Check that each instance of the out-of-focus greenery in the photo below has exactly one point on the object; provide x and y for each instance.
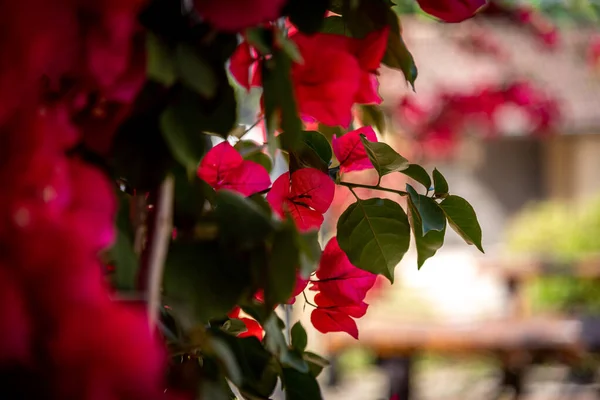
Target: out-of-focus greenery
(562, 232)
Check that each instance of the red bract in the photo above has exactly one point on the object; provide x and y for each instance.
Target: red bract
(224, 168)
(350, 151)
(336, 73)
(339, 280)
(236, 15)
(330, 317)
(451, 10)
(253, 328)
(243, 66)
(306, 196)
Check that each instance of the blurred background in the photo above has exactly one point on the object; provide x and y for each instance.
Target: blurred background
(507, 107)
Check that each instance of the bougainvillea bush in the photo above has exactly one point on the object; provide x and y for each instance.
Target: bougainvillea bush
(140, 262)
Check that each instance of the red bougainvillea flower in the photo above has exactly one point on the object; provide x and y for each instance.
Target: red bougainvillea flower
(350, 151)
(224, 168)
(236, 15)
(339, 280)
(336, 73)
(451, 10)
(244, 66)
(307, 195)
(253, 328)
(329, 316)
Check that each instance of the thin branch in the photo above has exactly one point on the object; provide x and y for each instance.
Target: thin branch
(373, 187)
(157, 245)
(138, 202)
(308, 302)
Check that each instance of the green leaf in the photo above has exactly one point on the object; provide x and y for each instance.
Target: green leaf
(375, 235)
(121, 253)
(159, 64)
(313, 152)
(373, 115)
(300, 386)
(463, 219)
(203, 280)
(319, 143)
(383, 157)
(276, 344)
(307, 16)
(143, 166)
(316, 363)
(429, 213)
(330, 131)
(191, 193)
(261, 159)
(334, 25)
(397, 54)
(428, 244)
(186, 142)
(126, 263)
(419, 174)
(283, 261)
(440, 184)
(241, 221)
(299, 337)
(222, 351)
(195, 71)
(234, 326)
(257, 366)
(310, 252)
(280, 106)
(261, 39)
(374, 15)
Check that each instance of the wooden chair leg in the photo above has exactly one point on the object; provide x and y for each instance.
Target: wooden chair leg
(333, 377)
(399, 376)
(512, 378)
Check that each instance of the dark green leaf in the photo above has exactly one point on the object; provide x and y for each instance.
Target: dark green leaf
(299, 337)
(334, 25)
(159, 64)
(261, 39)
(141, 155)
(440, 184)
(374, 15)
(282, 265)
(429, 213)
(397, 54)
(330, 131)
(310, 252)
(373, 115)
(187, 143)
(227, 359)
(428, 244)
(195, 71)
(126, 263)
(280, 106)
(300, 386)
(191, 193)
(234, 326)
(375, 235)
(241, 221)
(261, 159)
(462, 218)
(258, 370)
(276, 344)
(316, 363)
(419, 174)
(307, 16)
(319, 144)
(313, 152)
(383, 157)
(203, 280)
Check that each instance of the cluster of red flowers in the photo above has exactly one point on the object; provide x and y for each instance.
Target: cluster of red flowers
(306, 194)
(439, 126)
(62, 64)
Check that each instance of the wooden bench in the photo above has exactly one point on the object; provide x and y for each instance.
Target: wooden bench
(517, 341)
